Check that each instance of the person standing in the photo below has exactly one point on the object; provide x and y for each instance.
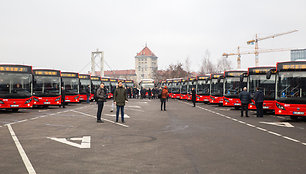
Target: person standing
(193, 96)
(149, 93)
(259, 99)
(120, 98)
(63, 97)
(163, 99)
(101, 98)
(87, 93)
(245, 99)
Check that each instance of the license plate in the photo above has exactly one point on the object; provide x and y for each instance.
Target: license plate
(67, 100)
(206, 100)
(14, 106)
(81, 99)
(265, 107)
(220, 101)
(46, 103)
(298, 113)
(237, 104)
(177, 96)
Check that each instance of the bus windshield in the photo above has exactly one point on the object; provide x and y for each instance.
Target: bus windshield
(266, 85)
(184, 88)
(176, 88)
(203, 87)
(216, 88)
(71, 86)
(147, 85)
(291, 86)
(84, 83)
(45, 86)
(95, 86)
(191, 85)
(129, 85)
(232, 86)
(15, 85)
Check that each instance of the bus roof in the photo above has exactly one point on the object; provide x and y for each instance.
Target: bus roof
(234, 73)
(260, 70)
(46, 72)
(70, 74)
(15, 68)
(291, 66)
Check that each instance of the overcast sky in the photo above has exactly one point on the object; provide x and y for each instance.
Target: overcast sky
(61, 34)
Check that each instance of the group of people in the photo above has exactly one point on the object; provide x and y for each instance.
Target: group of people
(246, 99)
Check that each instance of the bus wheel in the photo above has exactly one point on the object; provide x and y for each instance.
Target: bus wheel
(15, 109)
(294, 117)
(237, 107)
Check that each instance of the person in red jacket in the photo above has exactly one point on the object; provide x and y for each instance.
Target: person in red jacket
(163, 99)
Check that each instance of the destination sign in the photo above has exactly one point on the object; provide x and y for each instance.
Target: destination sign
(129, 81)
(216, 76)
(46, 73)
(14, 68)
(191, 79)
(148, 81)
(261, 70)
(106, 80)
(95, 78)
(69, 75)
(84, 76)
(299, 66)
(202, 77)
(112, 80)
(234, 74)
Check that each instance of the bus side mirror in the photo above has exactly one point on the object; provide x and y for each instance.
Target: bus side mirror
(268, 75)
(241, 77)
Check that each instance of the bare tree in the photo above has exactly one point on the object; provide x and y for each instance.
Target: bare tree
(223, 64)
(207, 66)
(187, 66)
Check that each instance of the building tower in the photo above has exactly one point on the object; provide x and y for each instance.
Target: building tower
(145, 64)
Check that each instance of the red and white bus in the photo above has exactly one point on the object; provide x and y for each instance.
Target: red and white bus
(16, 87)
(95, 84)
(183, 90)
(232, 86)
(192, 83)
(47, 87)
(85, 84)
(203, 88)
(113, 84)
(257, 78)
(290, 89)
(216, 89)
(147, 84)
(71, 84)
(175, 90)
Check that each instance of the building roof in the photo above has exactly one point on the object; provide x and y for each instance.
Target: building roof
(146, 52)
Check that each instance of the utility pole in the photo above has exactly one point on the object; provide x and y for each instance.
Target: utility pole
(94, 55)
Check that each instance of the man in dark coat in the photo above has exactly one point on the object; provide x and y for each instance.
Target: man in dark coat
(87, 93)
(194, 96)
(149, 93)
(101, 98)
(120, 98)
(259, 99)
(63, 97)
(245, 99)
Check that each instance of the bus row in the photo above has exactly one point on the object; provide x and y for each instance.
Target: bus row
(24, 87)
(284, 87)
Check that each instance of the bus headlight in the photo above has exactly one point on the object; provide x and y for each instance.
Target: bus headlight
(58, 99)
(28, 101)
(1, 102)
(280, 106)
(35, 99)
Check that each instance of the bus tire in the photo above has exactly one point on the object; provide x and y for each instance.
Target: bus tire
(15, 109)
(294, 117)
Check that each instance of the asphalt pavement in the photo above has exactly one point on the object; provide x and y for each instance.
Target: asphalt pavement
(206, 139)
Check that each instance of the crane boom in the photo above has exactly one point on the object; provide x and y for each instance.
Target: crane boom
(271, 36)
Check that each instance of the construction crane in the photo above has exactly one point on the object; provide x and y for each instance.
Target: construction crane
(255, 41)
(252, 52)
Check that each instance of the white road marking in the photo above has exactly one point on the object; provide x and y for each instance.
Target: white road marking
(22, 153)
(281, 124)
(250, 125)
(102, 118)
(85, 144)
(114, 115)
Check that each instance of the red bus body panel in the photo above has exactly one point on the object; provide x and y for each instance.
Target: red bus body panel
(231, 101)
(215, 100)
(267, 105)
(189, 97)
(16, 103)
(72, 98)
(83, 97)
(202, 98)
(183, 96)
(47, 101)
(291, 109)
(177, 96)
